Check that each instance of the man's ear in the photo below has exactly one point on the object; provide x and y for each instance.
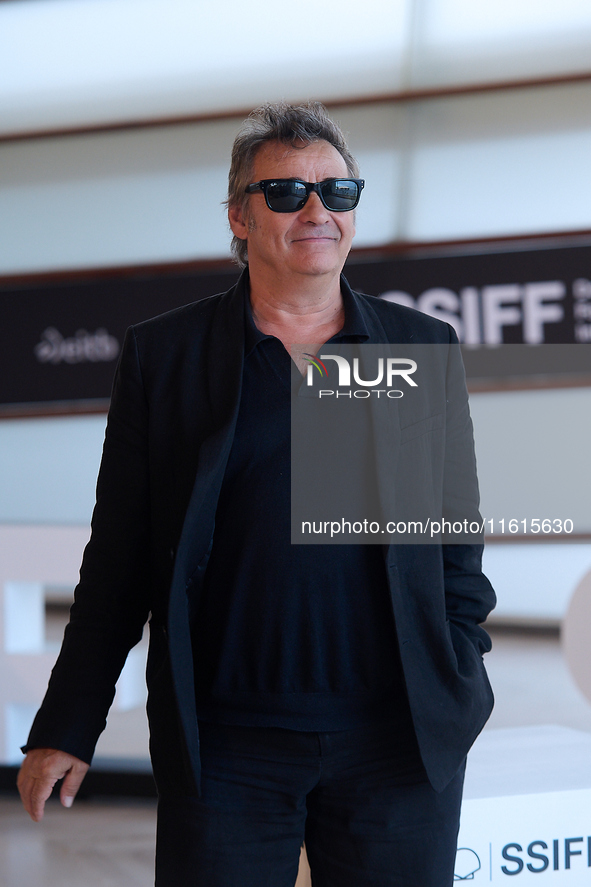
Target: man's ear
(238, 221)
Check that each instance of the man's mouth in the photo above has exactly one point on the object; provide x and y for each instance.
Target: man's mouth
(315, 237)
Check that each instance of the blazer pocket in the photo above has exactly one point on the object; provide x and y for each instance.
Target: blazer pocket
(423, 426)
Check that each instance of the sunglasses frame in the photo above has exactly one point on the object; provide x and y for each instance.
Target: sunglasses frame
(310, 186)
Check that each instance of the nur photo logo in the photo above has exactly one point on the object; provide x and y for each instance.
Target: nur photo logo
(388, 371)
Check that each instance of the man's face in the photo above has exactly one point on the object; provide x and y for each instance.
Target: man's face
(311, 241)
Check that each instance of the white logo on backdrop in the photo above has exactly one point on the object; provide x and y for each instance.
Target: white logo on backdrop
(467, 863)
(480, 315)
(83, 347)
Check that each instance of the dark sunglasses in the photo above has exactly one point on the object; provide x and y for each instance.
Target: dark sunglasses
(290, 195)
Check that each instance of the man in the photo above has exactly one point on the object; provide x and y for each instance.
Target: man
(319, 693)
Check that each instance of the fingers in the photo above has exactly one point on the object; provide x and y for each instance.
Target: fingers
(39, 773)
(72, 782)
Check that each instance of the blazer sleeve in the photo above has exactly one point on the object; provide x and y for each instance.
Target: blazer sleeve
(112, 599)
(469, 596)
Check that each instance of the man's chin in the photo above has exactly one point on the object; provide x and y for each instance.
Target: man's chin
(319, 268)
(319, 258)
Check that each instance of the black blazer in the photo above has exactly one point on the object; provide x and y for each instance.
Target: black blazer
(169, 433)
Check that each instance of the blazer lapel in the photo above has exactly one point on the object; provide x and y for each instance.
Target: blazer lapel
(384, 414)
(225, 355)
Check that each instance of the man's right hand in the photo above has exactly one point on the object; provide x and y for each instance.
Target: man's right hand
(39, 773)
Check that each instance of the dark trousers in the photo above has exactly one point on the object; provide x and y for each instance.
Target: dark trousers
(359, 798)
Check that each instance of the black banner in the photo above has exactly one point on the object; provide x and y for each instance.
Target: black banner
(529, 297)
(60, 340)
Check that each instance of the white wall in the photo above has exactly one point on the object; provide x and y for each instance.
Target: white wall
(532, 449)
(457, 41)
(73, 62)
(156, 195)
(114, 198)
(48, 469)
(78, 62)
(501, 163)
(493, 165)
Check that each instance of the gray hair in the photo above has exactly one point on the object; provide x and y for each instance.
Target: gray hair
(278, 122)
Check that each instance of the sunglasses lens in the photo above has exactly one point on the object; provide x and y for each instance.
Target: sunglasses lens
(284, 196)
(340, 195)
(290, 195)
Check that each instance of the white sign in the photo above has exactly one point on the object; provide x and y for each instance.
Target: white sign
(542, 839)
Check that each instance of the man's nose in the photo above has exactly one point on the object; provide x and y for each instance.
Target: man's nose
(314, 210)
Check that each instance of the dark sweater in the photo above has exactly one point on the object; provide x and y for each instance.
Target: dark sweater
(297, 636)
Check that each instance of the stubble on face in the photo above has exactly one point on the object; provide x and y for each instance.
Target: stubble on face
(312, 241)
